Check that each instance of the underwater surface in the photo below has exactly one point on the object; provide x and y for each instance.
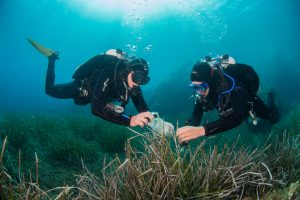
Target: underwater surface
(171, 35)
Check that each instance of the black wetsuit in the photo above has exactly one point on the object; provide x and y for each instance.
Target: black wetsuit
(103, 88)
(233, 109)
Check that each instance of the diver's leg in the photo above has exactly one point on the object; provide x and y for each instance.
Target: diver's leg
(267, 112)
(61, 91)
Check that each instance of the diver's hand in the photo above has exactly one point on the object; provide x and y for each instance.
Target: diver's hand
(141, 119)
(187, 133)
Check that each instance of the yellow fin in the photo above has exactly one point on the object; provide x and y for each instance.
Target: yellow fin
(44, 50)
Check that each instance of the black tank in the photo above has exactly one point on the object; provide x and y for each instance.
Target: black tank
(99, 62)
(245, 74)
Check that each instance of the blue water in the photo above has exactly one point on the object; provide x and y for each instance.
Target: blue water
(261, 33)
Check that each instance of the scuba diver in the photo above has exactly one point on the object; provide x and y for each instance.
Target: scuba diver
(107, 81)
(221, 83)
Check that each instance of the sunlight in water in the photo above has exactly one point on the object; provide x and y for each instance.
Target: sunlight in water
(209, 23)
(136, 11)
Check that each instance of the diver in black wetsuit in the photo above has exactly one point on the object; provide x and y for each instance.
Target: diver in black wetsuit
(107, 81)
(231, 88)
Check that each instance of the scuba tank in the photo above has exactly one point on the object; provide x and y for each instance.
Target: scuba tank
(96, 63)
(226, 66)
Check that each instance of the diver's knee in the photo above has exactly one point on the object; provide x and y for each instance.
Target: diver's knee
(50, 92)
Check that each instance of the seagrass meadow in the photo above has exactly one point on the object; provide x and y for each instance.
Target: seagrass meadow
(76, 157)
(51, 148)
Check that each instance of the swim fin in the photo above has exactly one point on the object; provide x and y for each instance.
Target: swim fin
(43, 50)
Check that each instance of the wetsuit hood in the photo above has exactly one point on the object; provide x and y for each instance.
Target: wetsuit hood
(203, 72)
(140, 69)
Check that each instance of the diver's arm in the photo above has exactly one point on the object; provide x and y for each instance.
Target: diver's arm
(223, 124)
(100, 106)
(234, 119)
(197, 114)
(139, 101)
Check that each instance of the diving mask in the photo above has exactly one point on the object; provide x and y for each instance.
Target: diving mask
(140, 77)
(199, 89)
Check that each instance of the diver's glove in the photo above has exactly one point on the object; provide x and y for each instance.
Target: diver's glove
(160, 126)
